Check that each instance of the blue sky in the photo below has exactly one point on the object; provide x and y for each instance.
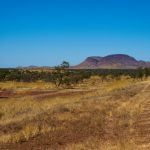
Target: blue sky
(46, 32)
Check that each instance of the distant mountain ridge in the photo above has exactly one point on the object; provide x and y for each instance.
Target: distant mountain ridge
(115, 61)
(34, 67)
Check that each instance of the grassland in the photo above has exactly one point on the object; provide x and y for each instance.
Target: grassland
(92, 115)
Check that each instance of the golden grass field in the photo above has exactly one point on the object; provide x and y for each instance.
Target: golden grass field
(94, 115)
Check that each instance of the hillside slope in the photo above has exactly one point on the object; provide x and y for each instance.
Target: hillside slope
(116, 61)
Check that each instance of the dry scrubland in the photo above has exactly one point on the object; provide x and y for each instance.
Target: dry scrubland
(95, 115)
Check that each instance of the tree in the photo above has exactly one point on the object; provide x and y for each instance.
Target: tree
(65, 65)
(140, 73)
(146, 72)
(59, 74)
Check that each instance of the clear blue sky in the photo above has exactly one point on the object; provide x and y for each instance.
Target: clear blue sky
(46, 32)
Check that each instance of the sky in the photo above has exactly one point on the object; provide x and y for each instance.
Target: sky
(46, 32)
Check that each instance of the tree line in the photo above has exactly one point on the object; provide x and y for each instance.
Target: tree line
(63, 76)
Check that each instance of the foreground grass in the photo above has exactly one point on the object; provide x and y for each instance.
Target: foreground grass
(105, 114)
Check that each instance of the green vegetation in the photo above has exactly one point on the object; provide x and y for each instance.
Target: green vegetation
(63, 76)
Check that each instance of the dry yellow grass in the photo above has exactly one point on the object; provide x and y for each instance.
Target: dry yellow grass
(101, 107)
(95, 144)
(23, 86)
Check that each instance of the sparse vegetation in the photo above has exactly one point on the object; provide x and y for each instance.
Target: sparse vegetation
(95, 109)
(63, 76)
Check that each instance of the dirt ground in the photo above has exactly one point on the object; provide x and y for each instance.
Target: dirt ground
(94, 118)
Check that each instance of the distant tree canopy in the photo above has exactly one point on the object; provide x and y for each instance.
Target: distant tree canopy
(63, 76)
